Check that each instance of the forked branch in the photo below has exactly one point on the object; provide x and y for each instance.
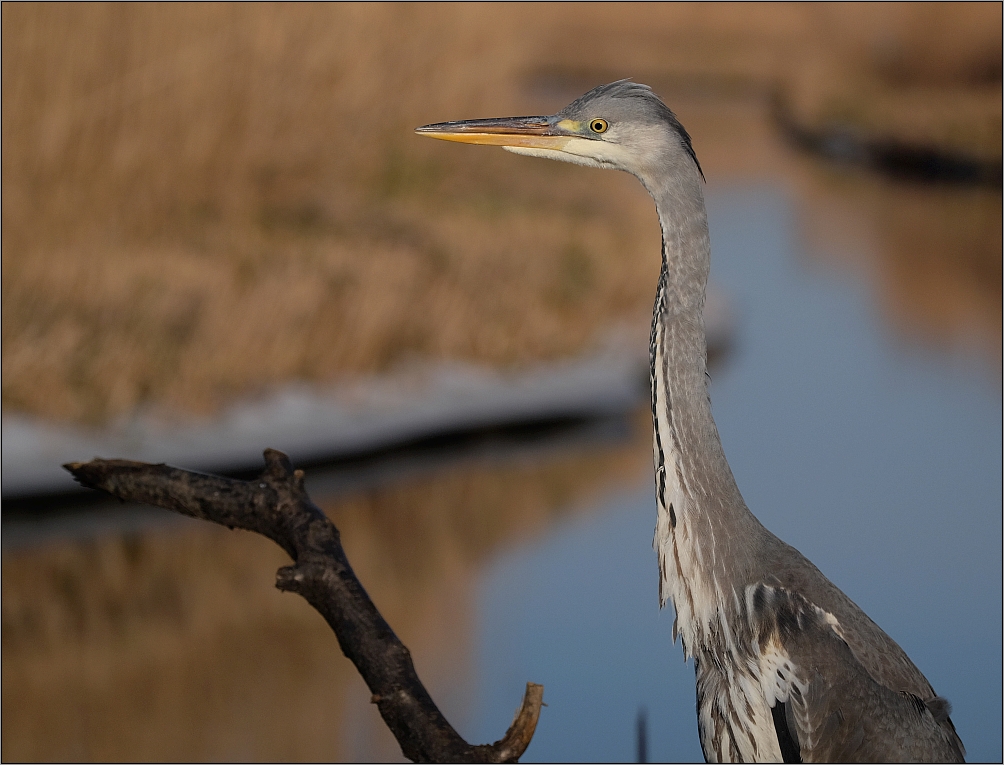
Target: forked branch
(277, 506)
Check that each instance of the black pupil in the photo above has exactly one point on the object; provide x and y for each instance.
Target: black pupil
(597, 126)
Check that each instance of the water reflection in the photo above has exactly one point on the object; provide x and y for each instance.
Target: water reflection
(880, 462)
(930, 254)
(172, 643)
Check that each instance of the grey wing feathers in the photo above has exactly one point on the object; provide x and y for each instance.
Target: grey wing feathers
(840, 713)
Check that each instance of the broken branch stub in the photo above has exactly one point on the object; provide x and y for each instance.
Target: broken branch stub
(277, 506)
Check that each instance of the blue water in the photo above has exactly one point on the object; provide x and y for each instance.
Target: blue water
(881, 462)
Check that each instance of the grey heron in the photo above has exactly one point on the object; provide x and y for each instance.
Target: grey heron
(787, 666)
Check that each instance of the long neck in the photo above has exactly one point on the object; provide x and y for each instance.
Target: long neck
(701, 512)
(679, 349)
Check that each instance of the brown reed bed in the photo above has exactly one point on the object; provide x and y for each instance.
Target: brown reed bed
(202, 201)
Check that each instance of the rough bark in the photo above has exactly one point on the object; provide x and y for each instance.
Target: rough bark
(277, 506)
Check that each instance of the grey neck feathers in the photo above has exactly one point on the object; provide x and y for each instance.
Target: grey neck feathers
(678, 325)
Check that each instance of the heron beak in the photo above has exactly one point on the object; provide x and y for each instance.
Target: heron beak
(523, 132)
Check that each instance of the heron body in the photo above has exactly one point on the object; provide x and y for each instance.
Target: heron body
(788, 668)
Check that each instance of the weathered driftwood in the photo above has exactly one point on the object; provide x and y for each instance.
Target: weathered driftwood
(277, 506)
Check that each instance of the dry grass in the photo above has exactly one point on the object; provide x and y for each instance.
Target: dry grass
(202, 201)
(208, 200)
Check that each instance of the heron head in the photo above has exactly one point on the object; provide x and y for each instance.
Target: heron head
(623, 126)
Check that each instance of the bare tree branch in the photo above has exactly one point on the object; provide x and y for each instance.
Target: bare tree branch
(277, 506)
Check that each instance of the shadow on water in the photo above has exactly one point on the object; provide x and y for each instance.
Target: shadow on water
(896, 159)
(41, 518)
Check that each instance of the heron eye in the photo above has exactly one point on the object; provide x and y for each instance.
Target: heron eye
(598, 126)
